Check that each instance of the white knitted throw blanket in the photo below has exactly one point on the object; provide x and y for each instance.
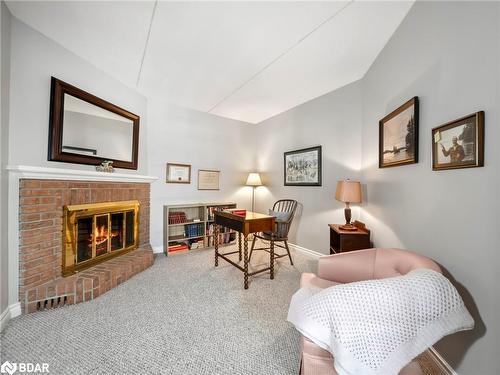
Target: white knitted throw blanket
(376, 327)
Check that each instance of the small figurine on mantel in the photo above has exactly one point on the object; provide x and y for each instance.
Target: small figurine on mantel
(106, 166)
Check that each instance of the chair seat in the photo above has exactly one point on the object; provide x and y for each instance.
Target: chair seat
(283, 212)
(270, 235)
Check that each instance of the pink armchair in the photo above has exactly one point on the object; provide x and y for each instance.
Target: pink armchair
(349, 267)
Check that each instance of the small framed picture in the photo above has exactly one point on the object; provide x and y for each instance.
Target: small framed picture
(208, 180)
(178, 173)
(303, 167)
(398, 136)
(459, 143)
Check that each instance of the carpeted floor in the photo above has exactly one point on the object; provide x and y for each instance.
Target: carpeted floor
(181, 316)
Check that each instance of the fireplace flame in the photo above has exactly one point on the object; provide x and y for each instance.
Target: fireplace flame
(101, 234)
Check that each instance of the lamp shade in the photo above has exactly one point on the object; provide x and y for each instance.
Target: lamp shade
(348, 191)
(254, 179)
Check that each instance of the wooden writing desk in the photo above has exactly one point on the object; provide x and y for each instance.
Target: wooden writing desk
(253, 222)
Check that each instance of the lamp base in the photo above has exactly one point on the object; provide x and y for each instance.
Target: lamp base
(347, 214)
(348, 227)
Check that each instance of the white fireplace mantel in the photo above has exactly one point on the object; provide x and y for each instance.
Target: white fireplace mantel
(45, 173)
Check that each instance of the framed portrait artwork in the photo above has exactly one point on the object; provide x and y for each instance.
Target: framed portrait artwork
(459, 143)
(398, 136)
(178, 173)
(303, 167)
(208, 180)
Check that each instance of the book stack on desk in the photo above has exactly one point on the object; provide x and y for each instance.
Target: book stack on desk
(237, 211)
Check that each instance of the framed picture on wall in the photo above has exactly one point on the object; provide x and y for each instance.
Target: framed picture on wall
(178, 173)
(398, 136)
(459, 143)
(208, 180)
(303, 167)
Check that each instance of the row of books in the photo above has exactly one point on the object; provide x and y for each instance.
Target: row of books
(196, 244)
(193, 230)
(223, 239)
(177, 217)
(210, 229)
(211, 210)
(174, 247)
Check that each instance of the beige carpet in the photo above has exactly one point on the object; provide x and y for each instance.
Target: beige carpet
(181, 316)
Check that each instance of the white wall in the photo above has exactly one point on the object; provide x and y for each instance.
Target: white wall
(332, 121)
(205, 141)
(4, 133)
(447, 54)
(35, 58)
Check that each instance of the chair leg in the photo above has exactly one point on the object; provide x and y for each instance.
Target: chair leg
(251, 249)
(288, 251)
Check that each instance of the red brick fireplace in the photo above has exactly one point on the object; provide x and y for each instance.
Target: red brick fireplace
(42, 243)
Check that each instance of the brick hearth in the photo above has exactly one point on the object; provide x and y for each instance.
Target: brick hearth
(41, 205)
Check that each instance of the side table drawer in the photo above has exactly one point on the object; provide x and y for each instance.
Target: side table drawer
(354, 242)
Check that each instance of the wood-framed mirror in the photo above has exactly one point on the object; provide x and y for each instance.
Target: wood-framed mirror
(85, 129)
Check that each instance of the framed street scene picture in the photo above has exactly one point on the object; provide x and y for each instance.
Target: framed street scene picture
(303, 167)
(459, 143)
(398, 136)
(178, 173)
(208, 180)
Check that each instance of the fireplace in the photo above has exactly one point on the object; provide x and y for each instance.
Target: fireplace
(97, 232)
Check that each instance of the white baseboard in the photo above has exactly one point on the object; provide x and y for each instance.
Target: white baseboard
(4, 318)
(306, 250)
(15, 309)
(157, 249)
(10, 312)
(441, 363)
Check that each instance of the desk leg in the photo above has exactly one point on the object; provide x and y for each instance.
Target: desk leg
(239, 246)
(271, 260)
(245, 262)
(216, 244)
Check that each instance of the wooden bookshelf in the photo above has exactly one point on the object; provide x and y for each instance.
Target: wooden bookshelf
(187, 224)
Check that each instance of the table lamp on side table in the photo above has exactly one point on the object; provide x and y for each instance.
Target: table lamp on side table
(253, 180)
(348, 192)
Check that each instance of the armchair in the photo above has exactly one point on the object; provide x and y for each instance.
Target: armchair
(354, 266)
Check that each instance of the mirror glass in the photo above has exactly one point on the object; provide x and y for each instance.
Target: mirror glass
(93, 131)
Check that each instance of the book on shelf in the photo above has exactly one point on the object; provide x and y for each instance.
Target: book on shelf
(177, 246)
(193, 230)
(224, 238)
(212, 209)
(210, 229)
(177, 217)
(196, 244)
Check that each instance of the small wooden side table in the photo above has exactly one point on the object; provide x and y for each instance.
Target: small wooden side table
(344, 240)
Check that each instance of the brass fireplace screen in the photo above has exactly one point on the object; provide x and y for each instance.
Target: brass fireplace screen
(97, 232)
